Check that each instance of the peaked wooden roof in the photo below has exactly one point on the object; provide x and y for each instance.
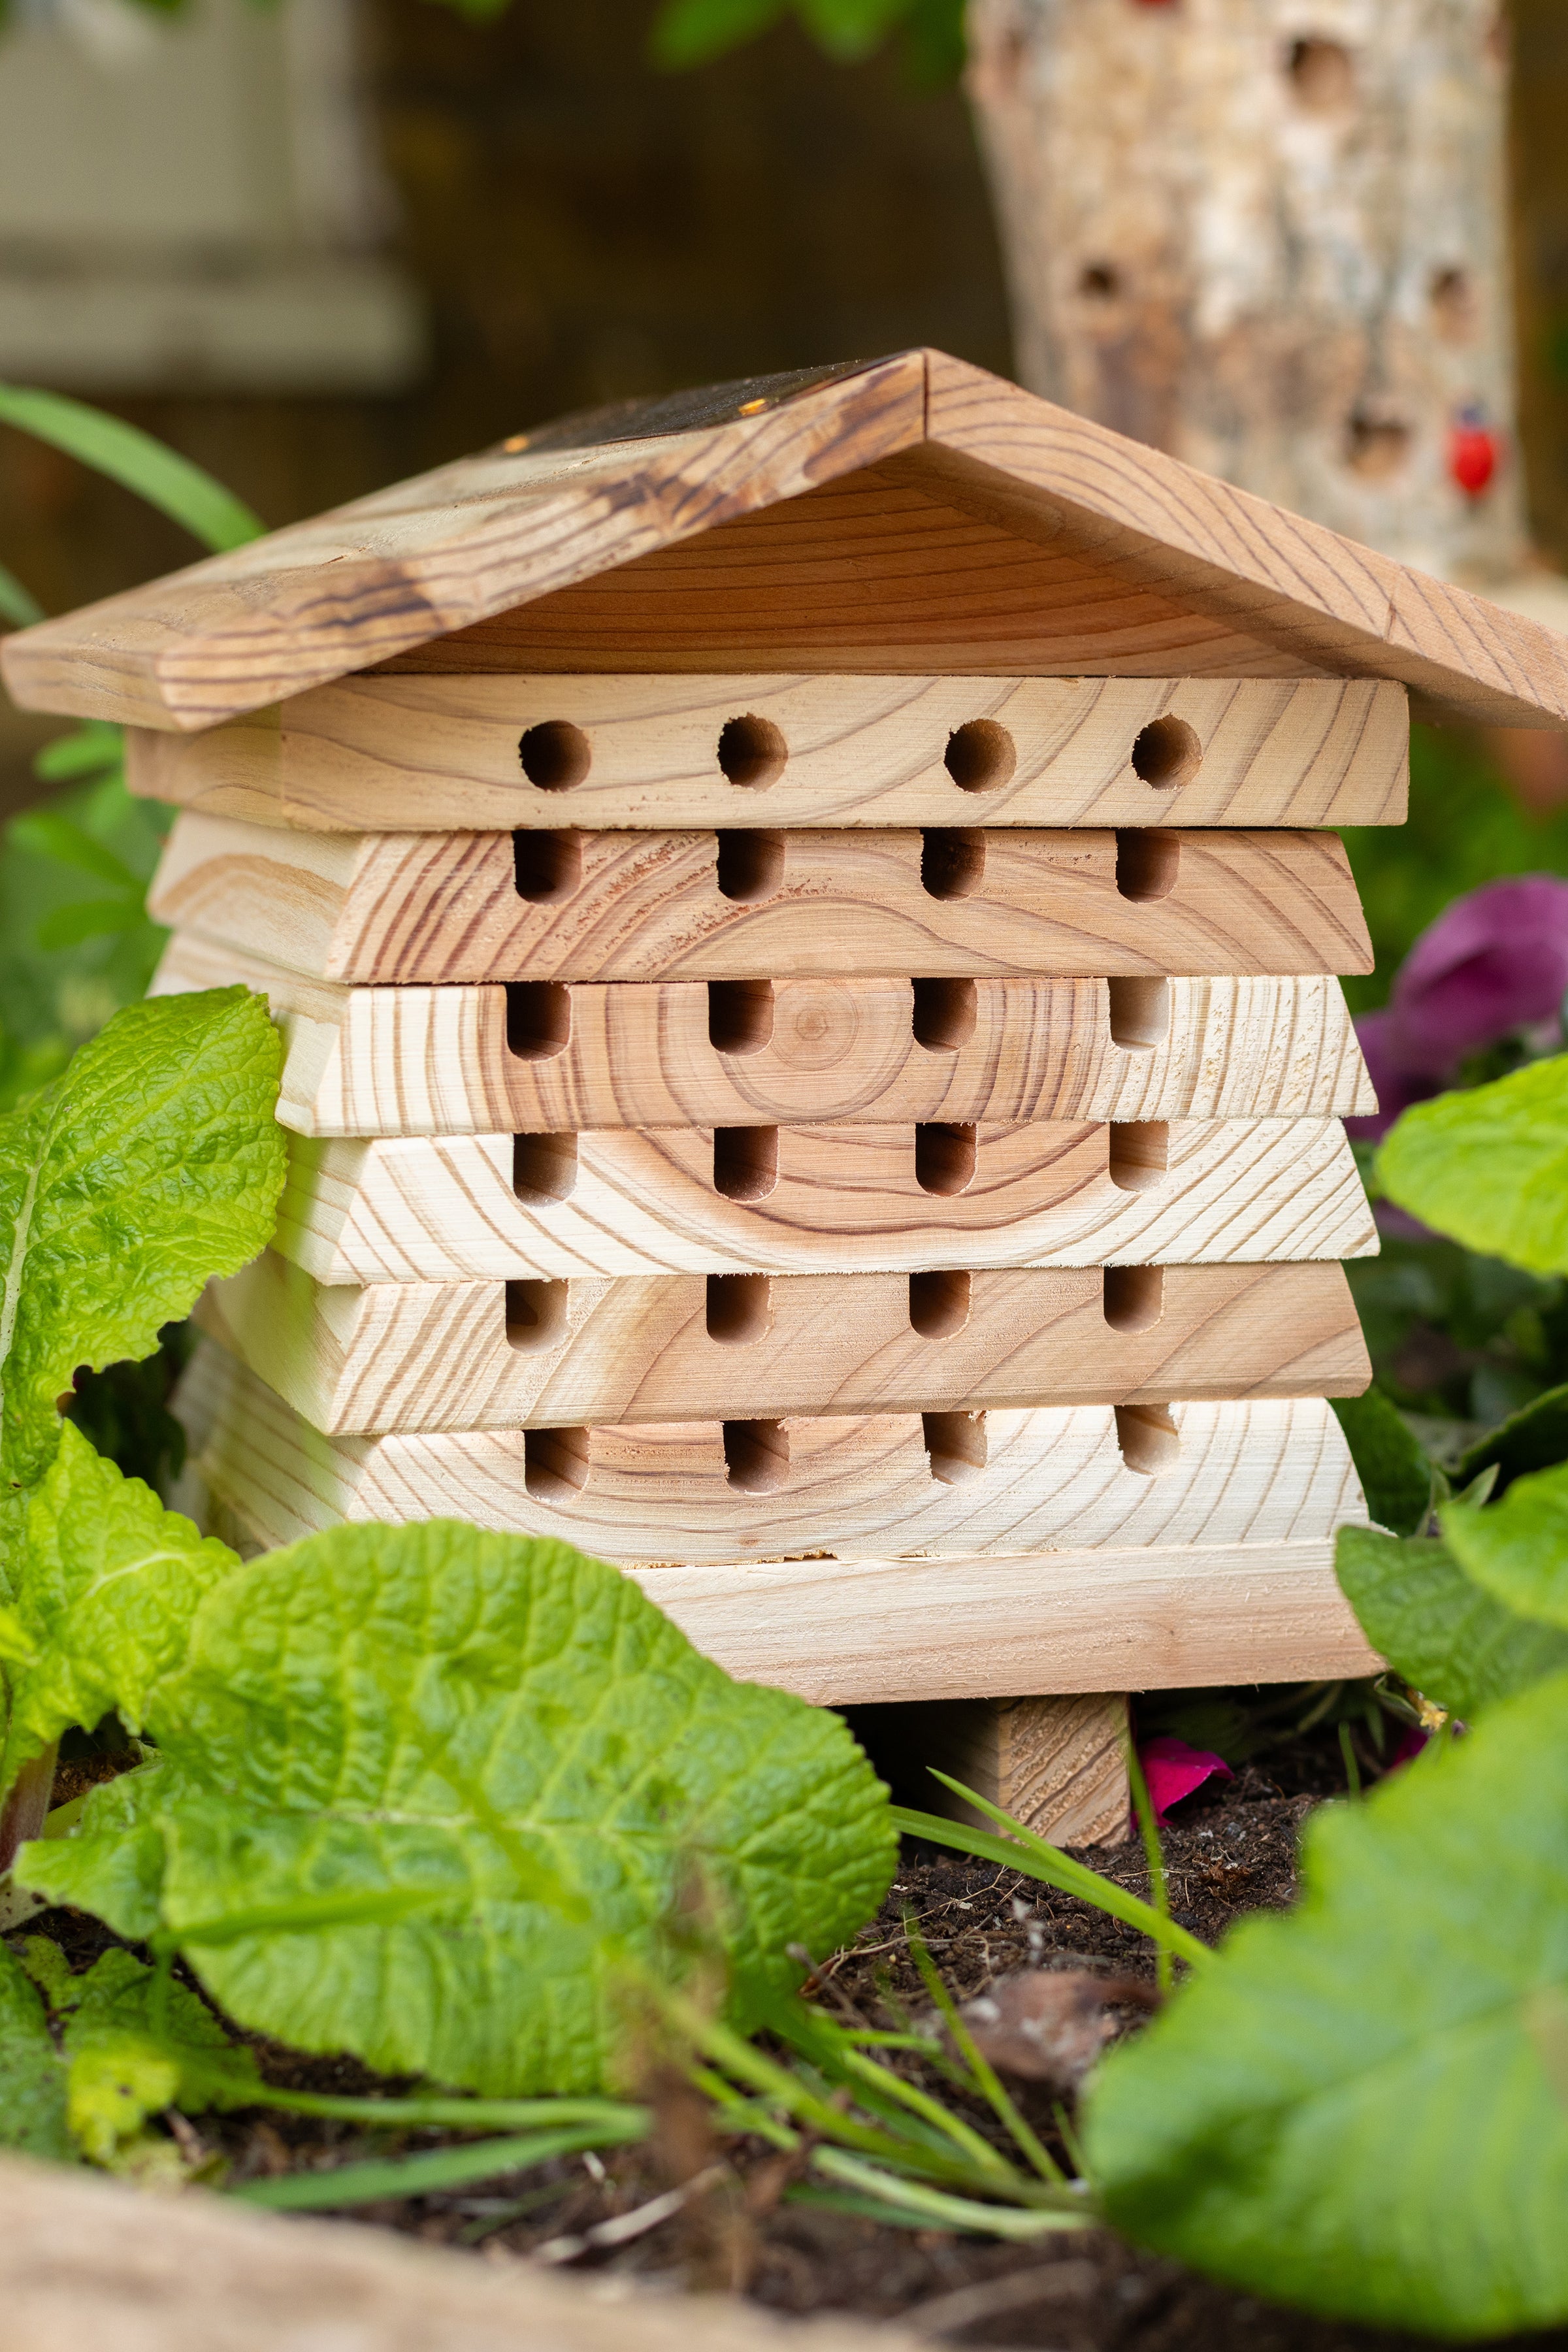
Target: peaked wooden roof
(375, 581)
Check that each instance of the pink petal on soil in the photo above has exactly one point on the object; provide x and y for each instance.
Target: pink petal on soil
(1172, 1771)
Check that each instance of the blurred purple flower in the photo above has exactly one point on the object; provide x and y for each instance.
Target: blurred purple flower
(1494, 961)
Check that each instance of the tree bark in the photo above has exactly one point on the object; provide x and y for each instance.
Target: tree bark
(1270, 236)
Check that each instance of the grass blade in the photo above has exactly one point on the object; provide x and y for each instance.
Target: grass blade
(979, 2066)
(1155, 1855)
(418, 2175)
(935, 2206)
(456, 2113)
(183, 492)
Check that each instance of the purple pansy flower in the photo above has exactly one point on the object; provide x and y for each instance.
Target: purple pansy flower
(1493, 963)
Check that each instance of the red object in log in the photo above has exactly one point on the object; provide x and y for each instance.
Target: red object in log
(1472, 454)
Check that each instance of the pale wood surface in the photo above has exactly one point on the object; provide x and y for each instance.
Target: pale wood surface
(1058, 1764)
(638, 906)
(413, 1060)
(1253, 1472)
(85, 2261)
(432, 753)
(981, 519)
(437, 1356)
(847, 1200)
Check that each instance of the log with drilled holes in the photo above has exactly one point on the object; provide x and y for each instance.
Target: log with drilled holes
(432, 754)
(492, 1355)
(946, 902)
(467, 1060)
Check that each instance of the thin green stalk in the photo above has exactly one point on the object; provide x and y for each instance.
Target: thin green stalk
(934, 2206)
(1352, 1770)
(1022, 1851)
(18, 605)
(174, 486)
(1155, 1855)
(418, 2175)
(455, 2114)
(979, 2066)
(921, 2103)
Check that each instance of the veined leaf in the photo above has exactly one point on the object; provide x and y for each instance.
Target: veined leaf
(1456, 1641)
(32, 2079)
(1359, 2108)
(1517, 1547)
(151, 1163)
(183, 492)
(107, 1585)
(1395, 1474)
(429, 1794)
(1491, 1166)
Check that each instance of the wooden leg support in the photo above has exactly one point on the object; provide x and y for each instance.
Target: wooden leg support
(1059, 1764)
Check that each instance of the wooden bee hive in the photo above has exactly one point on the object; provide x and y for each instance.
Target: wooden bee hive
(805, 920)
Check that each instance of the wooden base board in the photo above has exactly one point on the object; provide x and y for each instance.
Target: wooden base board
(1058, 1764)
(437, 753)
(957, 903)
(852, 1486)
(473, 1060)
(844, 1199)
(488, 1355)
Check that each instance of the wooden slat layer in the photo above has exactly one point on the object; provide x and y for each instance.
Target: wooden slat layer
(415, 1060)
(439, 753)
(433, 1356)
(1252, 1473)
(847, 1200)
(636, 907)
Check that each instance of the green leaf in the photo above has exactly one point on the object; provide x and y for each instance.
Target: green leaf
(32, 2079)
(151, 1163)
(49, 835)
(17, 606)
(107, 1587)
(850, 29)
(428, 1794)
(183, 492)
(691, 32)
(1455, 1642)
(1393, 1470)
(1534, 1438)
(1491, 1166)
(1356, 2109)
(90, 919)
(1517, 1549)
(87, 751)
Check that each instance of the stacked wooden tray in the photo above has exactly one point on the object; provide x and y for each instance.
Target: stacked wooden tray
(848, 1149)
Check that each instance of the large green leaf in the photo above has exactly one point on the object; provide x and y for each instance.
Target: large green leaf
(1517, 1549)
(425, 1793)
(32, 2079)
(166, 481)
(1534, 1438)
(151, 1162)
(1395, 1474)
(106, 1587)
(1362, 2108)
(1457, 1643)
(1491, 1166)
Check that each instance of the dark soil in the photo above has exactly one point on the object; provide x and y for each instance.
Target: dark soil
(1231, 1848)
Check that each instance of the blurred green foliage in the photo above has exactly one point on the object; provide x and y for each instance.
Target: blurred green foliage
(930, 32)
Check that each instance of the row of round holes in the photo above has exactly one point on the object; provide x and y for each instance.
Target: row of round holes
(981, 755)
(756, 1453)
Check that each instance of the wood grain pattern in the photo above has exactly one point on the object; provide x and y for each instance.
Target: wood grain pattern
(434, 753)
(998, 520)
(1255, 1473)
(413, 1060)
(484, 1355)
(1058, 1764)
(389, 909)
(847, 1200)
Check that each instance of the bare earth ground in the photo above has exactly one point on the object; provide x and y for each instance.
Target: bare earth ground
(1227, 1851)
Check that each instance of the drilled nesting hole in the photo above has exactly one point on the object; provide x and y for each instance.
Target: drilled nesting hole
(1147, 860)
(1140, 1153)
(756, 1455)
(546, 866)
(739, 1307)
(745, 1161)
(555, 1462)
(1147, 1436)
(955, 1445)
(543, 1168)
(538, 1018)
(740, 1016)
(751, 751)
(555, 755)
(945, 1157)
(952, 862)
(1166, 753)
(980, 756)
(944, 1014)
(751, 865)
(535, 1315)
(1321, 75)
(939, 1303)
(1134, 1297)
(1139, 1011)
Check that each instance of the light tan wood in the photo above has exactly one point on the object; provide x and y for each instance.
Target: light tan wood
(1255, 1473)
(986, 530)
(491, 1355)
(629, 907)
(413, 1060)
(441, 752)
(88, 2261)
(1058, 1764)
(847, 1200)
